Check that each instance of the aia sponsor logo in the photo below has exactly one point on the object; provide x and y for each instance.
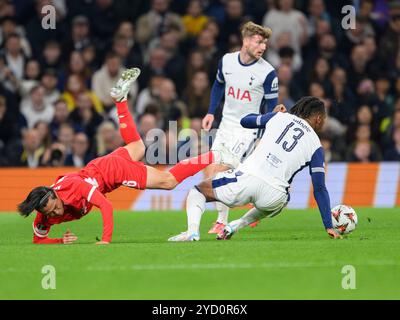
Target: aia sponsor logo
(239, 94)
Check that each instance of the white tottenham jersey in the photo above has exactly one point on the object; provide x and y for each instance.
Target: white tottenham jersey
(245, 88)
(287, 146)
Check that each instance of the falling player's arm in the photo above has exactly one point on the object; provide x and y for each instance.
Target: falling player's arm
(321, 195)
(96, 198)
(41, 230)
(217, 93)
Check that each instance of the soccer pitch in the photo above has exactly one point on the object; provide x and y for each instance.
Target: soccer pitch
(287, 257)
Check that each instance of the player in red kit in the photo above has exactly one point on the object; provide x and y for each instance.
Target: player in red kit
(73, 195)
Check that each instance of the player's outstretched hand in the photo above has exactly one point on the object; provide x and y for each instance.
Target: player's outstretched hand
(100, 243)
(280, 108)
(69, 237)
(207, 121)
(332, 233)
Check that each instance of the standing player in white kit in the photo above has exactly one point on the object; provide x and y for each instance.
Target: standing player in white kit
(250, 85)
(290, 144)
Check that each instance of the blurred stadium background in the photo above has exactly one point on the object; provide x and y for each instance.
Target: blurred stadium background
(55, 109)
(56, 115)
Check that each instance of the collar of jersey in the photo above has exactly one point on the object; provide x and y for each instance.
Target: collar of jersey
(246, 65)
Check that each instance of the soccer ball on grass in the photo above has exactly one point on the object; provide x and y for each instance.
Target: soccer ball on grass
(344, 219)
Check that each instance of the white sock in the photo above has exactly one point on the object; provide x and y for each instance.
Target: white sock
(223, 212)
(195, 206)
(250, 216)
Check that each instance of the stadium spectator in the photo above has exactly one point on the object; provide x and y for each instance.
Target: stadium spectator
(317, 11)
(389, 46)
(285, 77)
(194, 20)
(385, 99)
(31, 78)
(148, 95)
(156, 66)
(147, 122)
(174, 68)
(85, 115)
(79, 36)
(9, 26)
(35, 108)
(330, 155)
(106, 77)
(213, 26)
(197, 95)
(74, 87)
(123, 47)
(284, 97)
(288, 20)
(364, 116)
(106, 21)
(49, 82)
(61, 115)
(30, 152)
(14, 60)
(344, 106)
(107, 138)
(393, 154)
(51, 55)
(54, 156)
(388, 126)
(43, 129)
(77, 65)
(80, 155)
(8, 132)
(321, 72)
(284, 53)
(65, 136)
(159, 19)
(134, 57)
(207, 46)
(358, 66)
(234, 19)
(196, 62)
(363, 149)
(170, 106)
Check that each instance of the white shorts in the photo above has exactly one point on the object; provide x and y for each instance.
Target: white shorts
(235, 188)
(240, 143)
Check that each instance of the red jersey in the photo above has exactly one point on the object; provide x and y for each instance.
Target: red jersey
(81, 191)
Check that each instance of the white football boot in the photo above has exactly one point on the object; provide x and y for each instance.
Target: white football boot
(185, 237)
(121, 89)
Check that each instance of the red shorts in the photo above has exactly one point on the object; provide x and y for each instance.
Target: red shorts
(116, 169)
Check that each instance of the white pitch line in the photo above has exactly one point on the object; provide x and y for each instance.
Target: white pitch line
(207, 266)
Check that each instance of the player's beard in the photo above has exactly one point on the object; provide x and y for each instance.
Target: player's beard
(253, 56)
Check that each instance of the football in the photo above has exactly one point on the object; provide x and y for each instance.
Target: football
(344, 219)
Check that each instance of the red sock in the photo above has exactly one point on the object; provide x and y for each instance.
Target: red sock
(190, 167)
(127, 126)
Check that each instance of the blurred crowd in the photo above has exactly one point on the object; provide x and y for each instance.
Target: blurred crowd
(55, 107)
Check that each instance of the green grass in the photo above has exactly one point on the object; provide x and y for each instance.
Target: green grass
(287, 257)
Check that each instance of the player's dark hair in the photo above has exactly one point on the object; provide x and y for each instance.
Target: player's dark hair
(36, 200)
(308, 106)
